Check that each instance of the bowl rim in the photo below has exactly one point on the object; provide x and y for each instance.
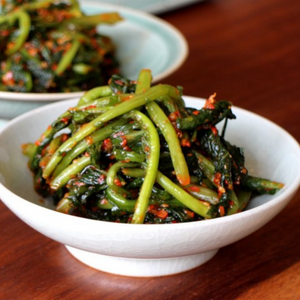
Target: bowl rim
(284, 194)
(180, 38)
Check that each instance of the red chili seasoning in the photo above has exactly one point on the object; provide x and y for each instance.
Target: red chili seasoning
(214, 130)
(107, 144)
(173, 116)
(221, 211)
(8, 78)
(194, 188)
(101, 179)
(89, 140)
(124, 141)
(162, 214)
(64, 137)
(210, 102)
(185, 143)
(117, 182)
(189, 213)
(217, 178)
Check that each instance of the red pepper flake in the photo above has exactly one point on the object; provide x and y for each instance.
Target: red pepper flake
(119, 82)
(231, 203)
(8, 78)
(173, 116)
(65, 120)
(101, 179)
(163, 214)
(196, 112)
(189, 213)
(178, 131)
(210, 102)
(90, 107)
(126, 148)
(89, 140)
(104, 201)
(185, 143)
(221, 191)
(151, 207)
(11, 45)
(244, 171)
(4, 32)
(64, 137)
(124, 141)
(194, 188)
(107, 144)
(117, 182)
(221, 211)
(217, 178)
(214, 130)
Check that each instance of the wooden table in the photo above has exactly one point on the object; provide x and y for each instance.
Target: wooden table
(249, 53)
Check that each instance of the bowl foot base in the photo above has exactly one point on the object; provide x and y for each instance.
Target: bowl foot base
(141, 267)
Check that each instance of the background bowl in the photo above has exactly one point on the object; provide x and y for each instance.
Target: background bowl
(143, 41)
(149, 250)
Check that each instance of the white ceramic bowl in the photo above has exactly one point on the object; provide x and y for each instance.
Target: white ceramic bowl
(143, 41)
(153, 6)
(149, 250)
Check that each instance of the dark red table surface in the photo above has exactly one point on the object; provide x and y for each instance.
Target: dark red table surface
(248, 52)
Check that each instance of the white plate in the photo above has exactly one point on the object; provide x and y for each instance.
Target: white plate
(142, 40)
(153, 6)
(3, 122)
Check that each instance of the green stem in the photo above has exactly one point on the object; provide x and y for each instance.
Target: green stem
(202, 193)
(143, 81)
(112, 174)
(94, 20)
(96, 137)
(124, 107)
(24, 29)
(152, 166)
(244, 197)
(95, 93)
(77, 166)
(121, 202)
(185, 198)
(131, 156)
(170, 135)
(67, 58)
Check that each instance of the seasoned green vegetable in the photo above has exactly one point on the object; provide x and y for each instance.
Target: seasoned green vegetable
(51, 46)
(129, 152)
